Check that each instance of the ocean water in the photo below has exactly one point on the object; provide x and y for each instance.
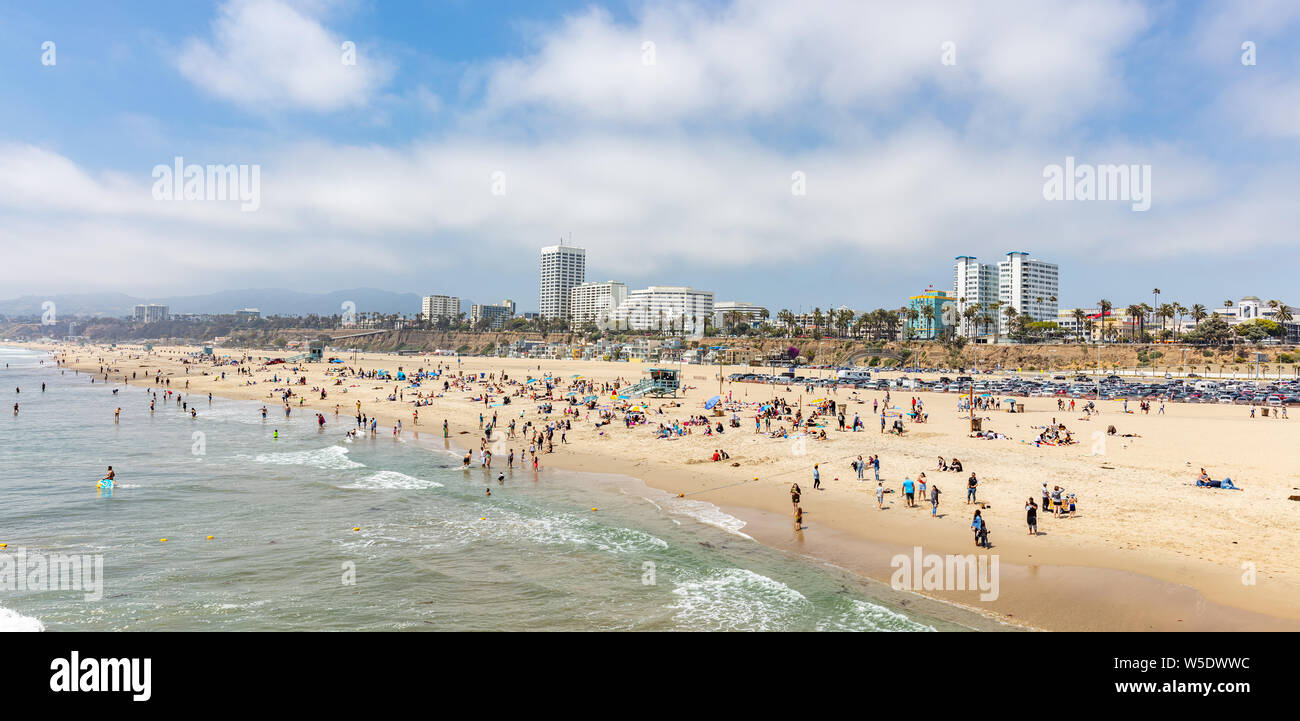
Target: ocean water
(434, 551)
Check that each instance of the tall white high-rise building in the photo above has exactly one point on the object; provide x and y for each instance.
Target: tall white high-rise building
(1029, 285)
(440, 306)
(669, 307)
(975, 285)
(150, 313)
(562, 267)
(590, 301)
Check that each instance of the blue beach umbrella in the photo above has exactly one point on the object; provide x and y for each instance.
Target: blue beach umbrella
(710, 403)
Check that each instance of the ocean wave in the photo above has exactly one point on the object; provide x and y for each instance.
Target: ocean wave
(564, 529)
(864, 616)
(736, 599)
(13, 621)
(329, 457)
(706, 513)
(392, 480)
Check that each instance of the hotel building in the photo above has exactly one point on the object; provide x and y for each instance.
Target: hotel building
(664, 306)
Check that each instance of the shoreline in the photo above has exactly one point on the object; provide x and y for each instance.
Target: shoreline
(1065, 588)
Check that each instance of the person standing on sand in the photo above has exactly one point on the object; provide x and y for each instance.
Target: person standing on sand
(934, 501)
(907, 492)
(1031, 516)
(817, 478)
(862, 468)
(875, 466)
(971, 483)
(798, 518)
(1047, 494)
(794, 495)
(880, 496)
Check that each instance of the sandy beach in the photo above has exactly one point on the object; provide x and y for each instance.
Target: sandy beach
(1147, 549)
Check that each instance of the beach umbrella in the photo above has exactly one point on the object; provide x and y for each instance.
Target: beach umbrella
(710, 403)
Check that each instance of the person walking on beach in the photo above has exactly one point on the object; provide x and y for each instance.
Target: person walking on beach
(1031, 516)
(875, 466)
(817, 478)
(862, 468)
(794, 495)
(908, 492)
(880, 496)
(981, 530)
(934, 501)
(1047, 495)
(971, 483)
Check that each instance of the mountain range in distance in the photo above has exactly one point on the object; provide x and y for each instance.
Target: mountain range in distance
(270, 301)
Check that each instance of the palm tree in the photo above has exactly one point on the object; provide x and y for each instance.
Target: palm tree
(912, 314)
(1179, 309)
(1079, 315)
(1136, 310)
(1105, 307)
(928, 312)
(1198, 314)
(968, 314)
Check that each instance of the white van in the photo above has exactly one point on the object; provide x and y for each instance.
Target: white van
(854, 374)
(1206, 386)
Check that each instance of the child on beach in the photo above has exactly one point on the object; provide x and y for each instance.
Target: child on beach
(798, 518)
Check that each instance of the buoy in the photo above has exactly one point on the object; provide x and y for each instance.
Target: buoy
(593, 508)
(483, 519)
(162, 540)
(681, 495)
(356, 528)
(209, 538)
(4, 545)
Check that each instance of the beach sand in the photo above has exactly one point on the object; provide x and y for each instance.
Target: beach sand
(1147, 549)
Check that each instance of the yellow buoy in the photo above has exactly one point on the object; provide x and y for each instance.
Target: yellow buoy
(162, 540)
(483, 518)
(681, 495)
(356, 528)
(4, 545)
(209, 538)
(593, 508)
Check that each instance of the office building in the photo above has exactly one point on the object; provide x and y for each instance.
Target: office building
(562, 268)
(496, 316)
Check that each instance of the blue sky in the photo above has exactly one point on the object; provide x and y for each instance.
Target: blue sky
(672, 165)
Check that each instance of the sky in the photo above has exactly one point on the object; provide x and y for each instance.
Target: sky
(792, 154)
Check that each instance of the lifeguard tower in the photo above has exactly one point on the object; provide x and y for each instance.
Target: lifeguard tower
(662, 383)
(316, 350)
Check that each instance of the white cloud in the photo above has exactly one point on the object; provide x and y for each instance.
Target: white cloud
(267, 54)
(1034, 59)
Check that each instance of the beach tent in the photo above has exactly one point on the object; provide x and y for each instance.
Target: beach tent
(710, 403)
